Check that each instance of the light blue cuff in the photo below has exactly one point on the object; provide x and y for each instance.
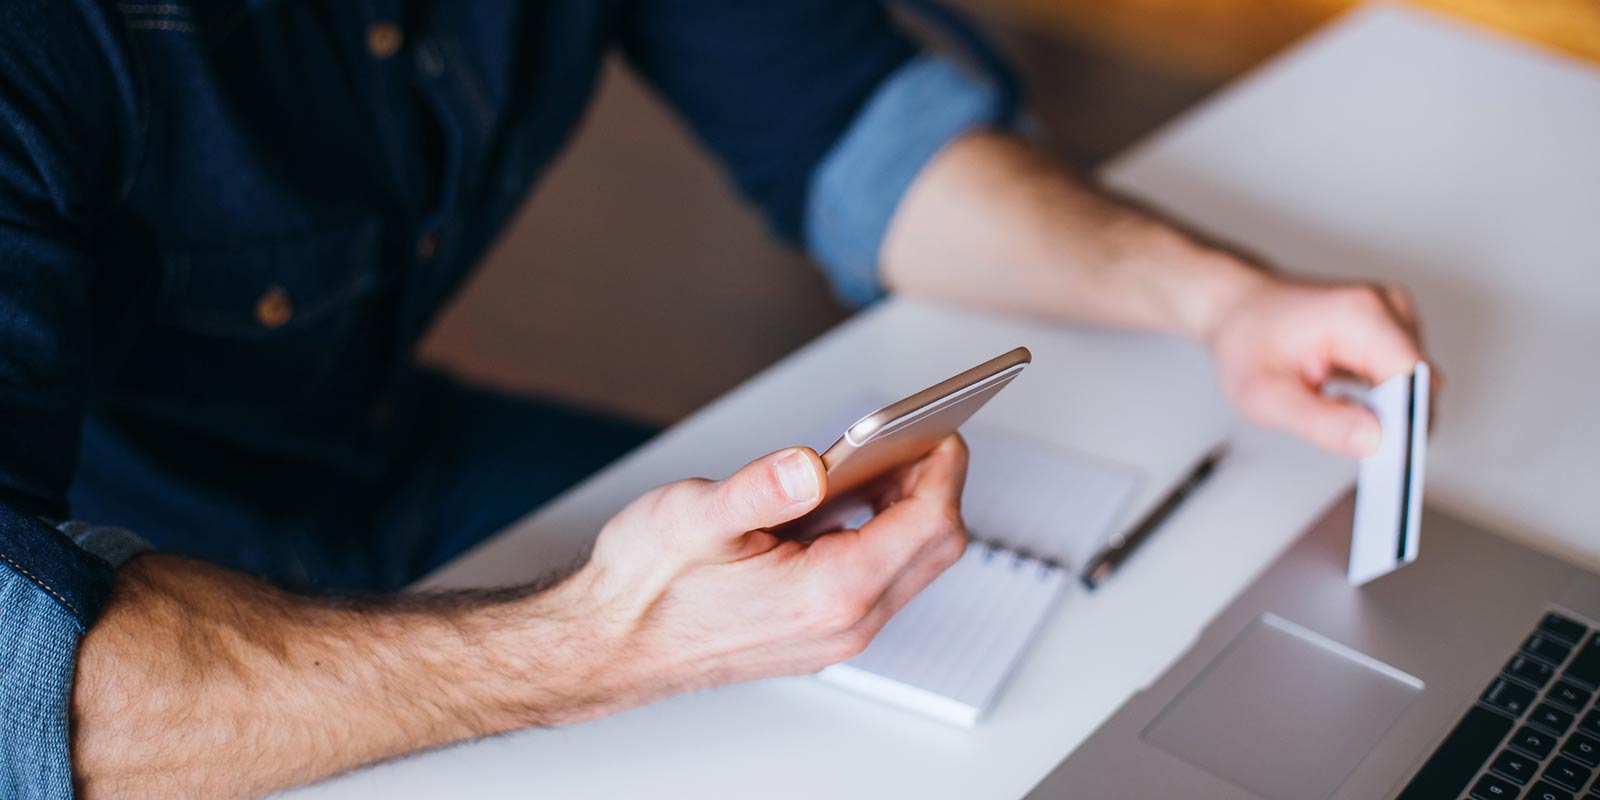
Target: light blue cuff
(39, 640)
(855, 189)
(38, 651)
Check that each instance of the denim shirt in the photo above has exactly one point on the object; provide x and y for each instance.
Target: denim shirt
(225, 225)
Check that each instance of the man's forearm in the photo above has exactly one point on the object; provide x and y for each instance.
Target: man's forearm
(199, 682)
(994, 222)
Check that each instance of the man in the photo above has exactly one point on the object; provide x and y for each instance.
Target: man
(222, 229)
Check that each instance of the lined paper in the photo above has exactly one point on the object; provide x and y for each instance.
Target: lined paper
(949, 651)
(1036, 512)
(1045, 500)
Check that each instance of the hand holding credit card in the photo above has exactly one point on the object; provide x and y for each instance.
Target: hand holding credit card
(1388, 514)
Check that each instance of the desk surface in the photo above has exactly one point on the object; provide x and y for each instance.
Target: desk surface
(1404, 146)
(1146, 401)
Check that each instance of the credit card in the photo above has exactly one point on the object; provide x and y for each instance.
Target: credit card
(1388, 517)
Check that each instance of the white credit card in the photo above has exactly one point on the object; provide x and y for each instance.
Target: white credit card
(1388, 517)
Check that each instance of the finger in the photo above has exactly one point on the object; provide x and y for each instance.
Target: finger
(1336, 425)
(768, 491)
(1404, 306)
(945, 462)
(932, 562)
(1372, 342)
(941, 475)
(868, 560)
(754, 544)
(1434, 385)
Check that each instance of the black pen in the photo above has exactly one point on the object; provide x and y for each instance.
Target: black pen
(1121, 546)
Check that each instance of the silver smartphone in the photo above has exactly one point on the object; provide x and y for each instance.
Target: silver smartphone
(902, 432)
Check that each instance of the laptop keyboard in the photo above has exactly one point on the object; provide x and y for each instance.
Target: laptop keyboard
(1534, 732)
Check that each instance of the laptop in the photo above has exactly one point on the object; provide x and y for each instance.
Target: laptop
(1472, 672)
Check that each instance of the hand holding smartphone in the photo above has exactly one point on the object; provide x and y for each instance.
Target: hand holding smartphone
(899, 434)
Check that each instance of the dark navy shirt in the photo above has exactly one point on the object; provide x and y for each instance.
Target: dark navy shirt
(224, 226)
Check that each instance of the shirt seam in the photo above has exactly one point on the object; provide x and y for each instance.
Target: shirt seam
(42, 585)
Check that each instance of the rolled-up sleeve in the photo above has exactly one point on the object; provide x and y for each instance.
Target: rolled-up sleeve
(855, 189)
(767, 87)
(53, 583)
(822, 111)
(38, 643)
(65, 138)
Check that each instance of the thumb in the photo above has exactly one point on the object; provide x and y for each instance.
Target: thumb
(1336, 425)
(768, 491)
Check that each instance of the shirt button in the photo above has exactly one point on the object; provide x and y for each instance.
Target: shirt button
(274, 308)
(384, 39)
(427, 246)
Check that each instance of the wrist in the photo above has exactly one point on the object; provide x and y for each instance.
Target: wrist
(568, 648)
(1222, 286)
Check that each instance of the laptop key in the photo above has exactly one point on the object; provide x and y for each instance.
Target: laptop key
(1451, 767)
(1548, 648)
(1550, 718)
(1534, 743)
(1546, 791)
(1568, 773)
(1515, 767)
(1528, 671)
(1582, 749)
(1491, 788)
(1585, 667)
(1569, 695)
(1591, 724)
(1508, 697)
(1563, 628)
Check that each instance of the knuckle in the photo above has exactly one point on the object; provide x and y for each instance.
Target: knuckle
(952, 547)
(741, 502)
(674, 509)
(672, 499)
(727, 502)
(958, 446)
(850, 644)
(1373, 300)
(947, 524)
(1365, 298)
(951, 523)
(834, 609)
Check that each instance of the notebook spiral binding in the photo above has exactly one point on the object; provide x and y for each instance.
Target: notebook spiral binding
(1020, 559)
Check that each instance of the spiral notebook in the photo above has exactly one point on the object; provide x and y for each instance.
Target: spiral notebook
(1036, 512)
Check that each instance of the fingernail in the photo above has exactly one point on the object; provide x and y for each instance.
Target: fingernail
(1365, 437)
(797, 477)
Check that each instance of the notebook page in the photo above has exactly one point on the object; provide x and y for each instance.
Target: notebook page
(949, 651)
(1045, 500)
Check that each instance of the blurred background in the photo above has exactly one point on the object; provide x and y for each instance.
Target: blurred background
(635, 280)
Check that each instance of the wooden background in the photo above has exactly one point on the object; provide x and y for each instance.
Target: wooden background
(1220, 38)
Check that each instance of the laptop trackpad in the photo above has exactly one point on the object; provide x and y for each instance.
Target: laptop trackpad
(1283, 712)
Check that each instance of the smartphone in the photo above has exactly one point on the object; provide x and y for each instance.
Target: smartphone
(900, 433)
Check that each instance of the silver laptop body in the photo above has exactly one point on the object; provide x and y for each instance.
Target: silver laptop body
(1306, 688)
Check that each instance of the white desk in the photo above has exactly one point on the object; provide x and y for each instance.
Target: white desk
(1141, 400)
(1408, 147)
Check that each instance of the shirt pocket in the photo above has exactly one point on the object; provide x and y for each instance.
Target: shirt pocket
(270, 340)
(268, 290)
